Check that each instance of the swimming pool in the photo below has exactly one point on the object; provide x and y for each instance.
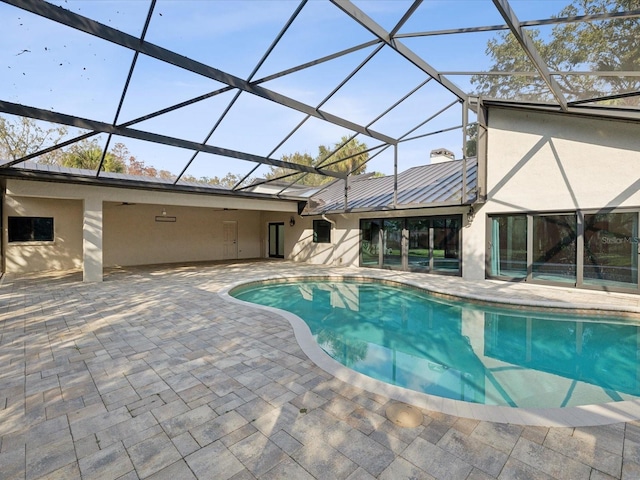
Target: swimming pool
(463, 351)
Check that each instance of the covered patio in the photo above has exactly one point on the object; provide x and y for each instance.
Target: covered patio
(153, 374)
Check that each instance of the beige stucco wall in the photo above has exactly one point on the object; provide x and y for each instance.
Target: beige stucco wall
(132, 236)
(551, 162)
(547, 162)
(64, 253)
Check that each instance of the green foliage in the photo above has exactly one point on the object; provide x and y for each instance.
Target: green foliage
(230, 180)
(87, 154)
(25, 136)
(471, 145)
(347, 159)
(606, 46)
(348, 156)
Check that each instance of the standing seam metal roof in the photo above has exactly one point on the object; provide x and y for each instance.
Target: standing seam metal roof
(423, 186)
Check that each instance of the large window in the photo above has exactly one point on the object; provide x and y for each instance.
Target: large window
(321, 231)
(611, 249)
(554, 247)
(509, 246)
(421, 244)
(583, 249)
(30, 229)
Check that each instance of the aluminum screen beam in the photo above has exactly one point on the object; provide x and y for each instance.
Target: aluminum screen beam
(367, 22)
(126, 86)
(527, 23)
(529, 48)
(102, 127)
(118, 37)
(239, 92)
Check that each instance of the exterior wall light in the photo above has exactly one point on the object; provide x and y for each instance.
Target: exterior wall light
(292, 221)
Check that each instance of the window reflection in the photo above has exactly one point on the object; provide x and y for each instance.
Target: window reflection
(422, 244)
(419, 251)
(554, 248)
(611, 249)
(509, 246)
(370, 246)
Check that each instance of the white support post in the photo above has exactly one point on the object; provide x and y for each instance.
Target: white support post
(92, 240)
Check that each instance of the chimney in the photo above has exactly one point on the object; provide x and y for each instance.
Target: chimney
(440, 155)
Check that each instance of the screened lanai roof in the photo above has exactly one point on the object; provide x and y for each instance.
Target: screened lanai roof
(247, 93)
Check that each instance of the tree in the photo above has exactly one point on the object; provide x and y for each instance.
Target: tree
(87, 154)
(350, 157)
(24, 136)
(299, 159)
(604, 45)
(471, 144)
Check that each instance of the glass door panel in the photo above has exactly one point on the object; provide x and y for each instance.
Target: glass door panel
(554, 248)
(370, 245)
(276, 240)
(392, 243)
(419, 256)
(509, 246)
(446, 244)
(611, 250)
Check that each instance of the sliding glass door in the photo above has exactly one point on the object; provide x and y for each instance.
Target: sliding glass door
(392, 233)
(597, 250)
(420, 244)
(446, 244)
(554, 248)
(611, 249)
(370, 243)
(276, 240)
(420, 239)
(509, 246)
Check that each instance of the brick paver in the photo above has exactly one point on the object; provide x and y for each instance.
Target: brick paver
(153, 374)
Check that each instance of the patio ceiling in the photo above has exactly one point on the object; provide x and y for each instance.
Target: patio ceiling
(199, 89)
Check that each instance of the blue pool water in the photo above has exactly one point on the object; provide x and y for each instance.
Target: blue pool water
(476, 353)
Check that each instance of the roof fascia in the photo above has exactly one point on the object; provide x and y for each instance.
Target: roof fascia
(589, 111)
(90, 180)
(399, 207)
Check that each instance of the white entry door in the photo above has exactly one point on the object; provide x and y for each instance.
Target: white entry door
(229, 240)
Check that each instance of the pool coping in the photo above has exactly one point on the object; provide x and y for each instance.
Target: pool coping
(578, 416)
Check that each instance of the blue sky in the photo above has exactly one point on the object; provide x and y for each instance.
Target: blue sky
(50, 66)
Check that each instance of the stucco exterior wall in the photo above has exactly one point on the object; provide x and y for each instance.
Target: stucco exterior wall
(128, 234)
(64, 253)
(546, 163)
(132, 236)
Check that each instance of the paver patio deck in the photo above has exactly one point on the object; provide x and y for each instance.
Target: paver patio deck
(153, 374)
